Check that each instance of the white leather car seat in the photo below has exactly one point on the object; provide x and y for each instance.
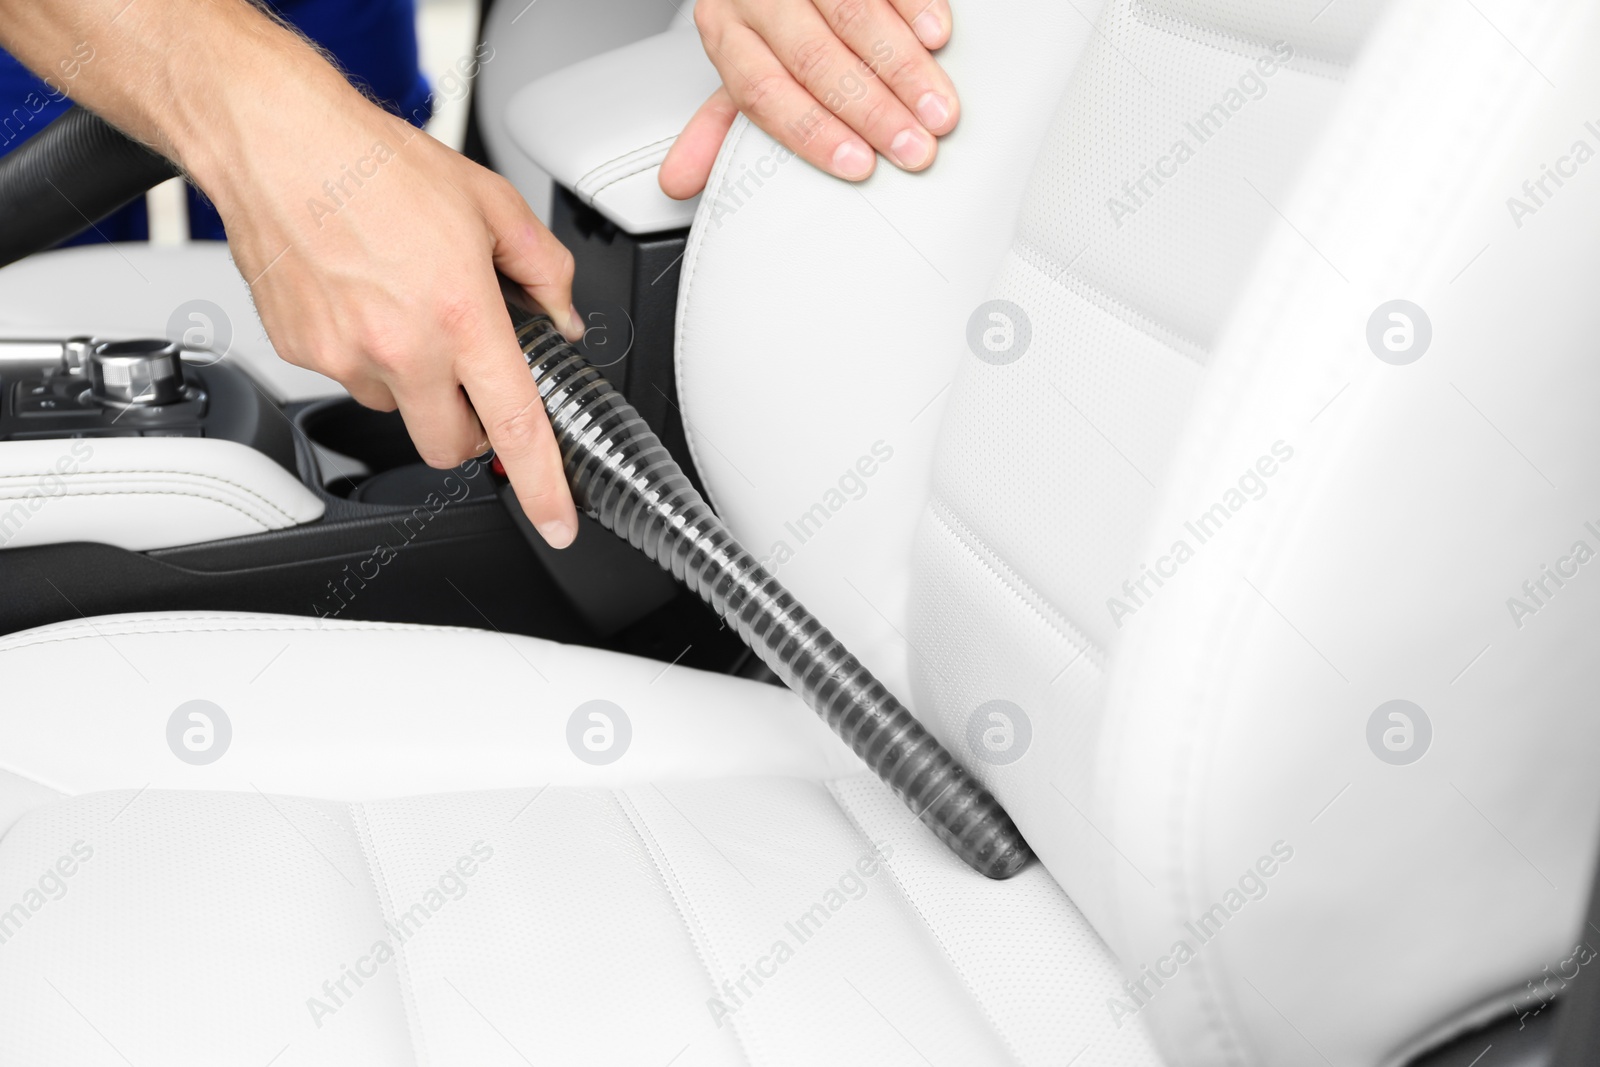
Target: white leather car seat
(402, 805)
(540, 39)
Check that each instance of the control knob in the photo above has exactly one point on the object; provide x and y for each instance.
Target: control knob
(126, 373)
(75, 353)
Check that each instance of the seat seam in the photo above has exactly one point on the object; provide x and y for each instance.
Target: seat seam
(669, 878)
(1124, 311)
(81, 494)
(202, 475)
(643, 163)
(380, 886)
(644, 148)
(645, 166)
(698, 236)
(171, 488)
(1008, 576)
(385, 898)
(1221, 37)
(61, 795)
(905, 895)
(344, 627)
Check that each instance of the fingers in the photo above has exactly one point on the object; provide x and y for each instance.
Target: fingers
(836, 81)
(530, 255)
(479, 349)
(497, 381)
(441, 423)
(764, 90)
(495, 375)
(397, 297)
(928, 19)
(369, 393)
(890, 48)
(689, 161)
(836, 54)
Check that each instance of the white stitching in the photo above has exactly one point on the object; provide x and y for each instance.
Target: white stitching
(1015, 584)
(644, 167)
(80, 494)
(905, 894)
(680, 899)
(1107, 302)
(644, 151)
(203, 476)
(380, 883)
(309, 625)
(1213, 36)
(698, 236)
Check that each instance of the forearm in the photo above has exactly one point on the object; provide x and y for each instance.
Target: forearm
(370, 249)
(199, 80)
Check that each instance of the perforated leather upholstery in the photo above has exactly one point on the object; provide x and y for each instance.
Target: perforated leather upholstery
(400, 804)
(1199, 353)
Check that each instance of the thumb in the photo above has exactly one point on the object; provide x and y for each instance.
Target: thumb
(530, 255)
(689, 160)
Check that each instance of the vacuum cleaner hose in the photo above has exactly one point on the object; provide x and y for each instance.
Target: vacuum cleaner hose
(622, 476)
(74, 172)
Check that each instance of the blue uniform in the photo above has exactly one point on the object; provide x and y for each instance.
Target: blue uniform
(375, 42)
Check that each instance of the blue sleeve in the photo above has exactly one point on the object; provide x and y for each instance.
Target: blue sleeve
(374, 41)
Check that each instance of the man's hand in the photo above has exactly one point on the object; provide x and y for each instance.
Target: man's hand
(833, 80)
(370, 248)
(371, 252)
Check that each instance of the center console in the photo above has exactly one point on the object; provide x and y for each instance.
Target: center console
(132, 454)
(77, 387)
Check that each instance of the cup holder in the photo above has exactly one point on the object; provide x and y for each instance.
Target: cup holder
(367, 457)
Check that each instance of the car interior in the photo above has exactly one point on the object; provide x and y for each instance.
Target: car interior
(1200, 458)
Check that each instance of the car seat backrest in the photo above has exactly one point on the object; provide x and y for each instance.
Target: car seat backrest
(1202, 506)
(1167, 316)
(819, 323)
